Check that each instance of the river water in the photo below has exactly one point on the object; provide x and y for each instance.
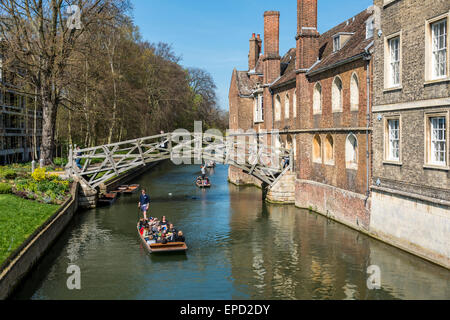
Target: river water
(239, 248)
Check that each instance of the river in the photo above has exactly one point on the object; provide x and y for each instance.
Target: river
(239, 248)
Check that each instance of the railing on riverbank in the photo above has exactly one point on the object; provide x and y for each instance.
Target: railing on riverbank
(98, 164)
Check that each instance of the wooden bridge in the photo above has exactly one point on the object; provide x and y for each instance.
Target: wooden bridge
(97, 165)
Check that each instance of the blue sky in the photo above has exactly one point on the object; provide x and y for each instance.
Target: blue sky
(213, 35)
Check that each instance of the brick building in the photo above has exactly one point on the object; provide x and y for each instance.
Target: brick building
(334, 134)
(410, 193)
(330, 141)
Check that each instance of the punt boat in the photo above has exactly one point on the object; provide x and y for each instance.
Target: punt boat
(161, 247)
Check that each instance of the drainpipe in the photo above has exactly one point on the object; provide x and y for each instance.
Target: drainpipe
(368, 58)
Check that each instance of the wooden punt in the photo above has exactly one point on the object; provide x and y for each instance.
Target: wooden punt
(132, 189)
(201, 183)
(163, 248)
(107, 199)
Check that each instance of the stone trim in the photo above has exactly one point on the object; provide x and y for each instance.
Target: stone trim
(442, 102)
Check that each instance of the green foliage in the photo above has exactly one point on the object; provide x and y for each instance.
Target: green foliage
(60, 162)
(8, 173)
(19, 218)
(5, 188)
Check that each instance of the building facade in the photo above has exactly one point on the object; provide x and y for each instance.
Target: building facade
(411, 169)
(366, 108)
(20, 122)
(334, 133)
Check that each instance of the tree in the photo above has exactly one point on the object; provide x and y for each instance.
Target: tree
(41, 40)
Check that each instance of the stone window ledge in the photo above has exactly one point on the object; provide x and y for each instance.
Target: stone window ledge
(397, 88)
(436, 167)
(393, 163)
(435, 81)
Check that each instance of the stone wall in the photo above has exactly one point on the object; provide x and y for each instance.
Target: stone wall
(347, 207)
(417, 226)
(283, 191)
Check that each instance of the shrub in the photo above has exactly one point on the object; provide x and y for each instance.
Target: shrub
(8, 174)
(39, 174)
(5, 188)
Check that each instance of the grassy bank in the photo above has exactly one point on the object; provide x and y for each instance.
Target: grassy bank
(19, 218)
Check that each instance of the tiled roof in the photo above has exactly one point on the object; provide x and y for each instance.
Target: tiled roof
(287, 68)
(353, 47)
(244, 84)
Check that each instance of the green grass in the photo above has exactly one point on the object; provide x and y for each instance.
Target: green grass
(19, 218)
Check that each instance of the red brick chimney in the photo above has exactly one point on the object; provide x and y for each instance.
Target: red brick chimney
(307, 34)
(255, 50)
(271, 46)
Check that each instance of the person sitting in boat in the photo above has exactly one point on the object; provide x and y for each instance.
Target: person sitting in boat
(164, 222)
(180, 237)
(144, 203)
(146, 233)
(151, 240)
(171, 233)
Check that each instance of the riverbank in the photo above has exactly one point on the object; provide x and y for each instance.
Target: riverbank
(19, 218)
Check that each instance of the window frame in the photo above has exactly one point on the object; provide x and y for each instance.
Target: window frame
(352, 106)
(388, 83)
(370, 22)
(314, 158)
(341, 93)
(336, 43)
(429, 58)
(315, 110)
(277, 108)
(387, 140)
(287, 106)
(352, 165)
(428, 140)
(332, 160)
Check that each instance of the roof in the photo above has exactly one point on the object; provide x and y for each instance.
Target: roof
(287, 68)
(355, 46)
(244, 84)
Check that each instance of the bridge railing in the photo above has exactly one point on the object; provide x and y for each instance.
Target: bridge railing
(98, 164)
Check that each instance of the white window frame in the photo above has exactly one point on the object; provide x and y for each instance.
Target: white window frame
(430, 49)
(336, 43)
(431, 140)
(439, 49)
(391, 65)
(259, 108)
(392, 140)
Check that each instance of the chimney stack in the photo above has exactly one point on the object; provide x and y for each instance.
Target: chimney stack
(271, 46)
(255, 50)
(307, 34)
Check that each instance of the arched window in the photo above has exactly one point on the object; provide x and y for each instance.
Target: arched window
(317, 99)
(336, 95)
(329, 150)
(287, 106)
(317, 149)
(354, 92)
(351, 152)
(255, 109)
(277, 108)
(294, 105)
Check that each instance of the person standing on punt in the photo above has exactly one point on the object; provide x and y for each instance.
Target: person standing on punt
(203, 172)
(144, 203)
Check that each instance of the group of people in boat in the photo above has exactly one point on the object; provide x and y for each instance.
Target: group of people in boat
(159, 231)
(154, 230)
